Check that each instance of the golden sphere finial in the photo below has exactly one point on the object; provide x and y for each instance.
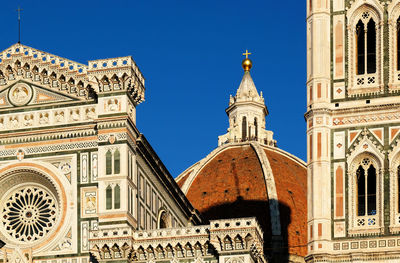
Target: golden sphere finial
(246, 63)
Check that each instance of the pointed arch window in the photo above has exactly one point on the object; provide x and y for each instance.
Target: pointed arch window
(366, 188)
(117, 162)
(360, 47)
(256, 128)
(366, 47)
(117, 197)
(108, 197)
(371, 47)
(108, 162)
(113, 162)
(244, 128)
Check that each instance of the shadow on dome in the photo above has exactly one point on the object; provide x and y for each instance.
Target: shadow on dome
(276, 248)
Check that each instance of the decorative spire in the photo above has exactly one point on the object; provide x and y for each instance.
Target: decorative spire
(246, 63)
(247, 90)
(247, 112)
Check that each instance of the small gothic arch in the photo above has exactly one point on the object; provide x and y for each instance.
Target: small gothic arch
(115, 249)
(141, 253)
(17, 64)
(179, 251)
(188, 250)
(53, 76)
(238, 242)
(244, 128)
(80, 85)
(106, 251)
(71, 82)
(160, 252)
(62, 79)
(256, 128)
(125, 250)
(9, 70)
(170, 251)
(26, 67)
(198, 249)
(150, 252)
(164, 219)
(248, 240)
(114, 79)
(228, 244)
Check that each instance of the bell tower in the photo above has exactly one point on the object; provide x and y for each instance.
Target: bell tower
(353, 127)
(318, 131)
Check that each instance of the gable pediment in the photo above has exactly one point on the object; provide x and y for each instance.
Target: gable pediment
(24, 93)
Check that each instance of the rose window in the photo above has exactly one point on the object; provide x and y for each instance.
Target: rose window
(29, 213)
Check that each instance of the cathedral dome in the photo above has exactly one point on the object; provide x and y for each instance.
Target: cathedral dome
(248, 176)
(251, 179)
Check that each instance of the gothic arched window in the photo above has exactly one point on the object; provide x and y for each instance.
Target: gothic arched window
(108, 197)
(108, 162)
(117, 197)
(256, 128)
(117, 158)
(360, 47)
(366, 47)
(244, 129)
(371, 47)
(366, 188)
(113, 162)
(163, 220)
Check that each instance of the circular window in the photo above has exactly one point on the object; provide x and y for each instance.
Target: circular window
(29, 213)
(30, 207)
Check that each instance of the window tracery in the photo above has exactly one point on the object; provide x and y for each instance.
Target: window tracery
(365, 193)
(29, 213)
(365, 51)
(366, 189)
(113, 162)
(113, 197)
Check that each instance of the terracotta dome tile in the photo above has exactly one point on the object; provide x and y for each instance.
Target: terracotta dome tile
(231, 184)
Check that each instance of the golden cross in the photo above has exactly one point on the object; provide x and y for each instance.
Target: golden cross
(246, 54)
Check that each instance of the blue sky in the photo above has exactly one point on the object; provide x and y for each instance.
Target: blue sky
(190, 53)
